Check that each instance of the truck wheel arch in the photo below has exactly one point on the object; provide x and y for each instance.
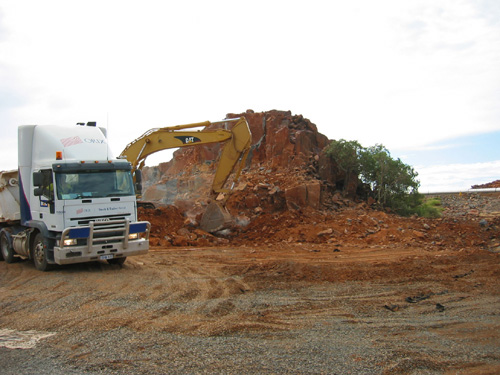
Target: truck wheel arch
(40, 227)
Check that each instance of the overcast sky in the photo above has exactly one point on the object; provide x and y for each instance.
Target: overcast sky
(420, 77)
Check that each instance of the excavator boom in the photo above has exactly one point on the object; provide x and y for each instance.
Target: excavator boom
(236, 146)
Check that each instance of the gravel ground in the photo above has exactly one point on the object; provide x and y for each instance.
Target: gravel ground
(415, 308)
(325, 328)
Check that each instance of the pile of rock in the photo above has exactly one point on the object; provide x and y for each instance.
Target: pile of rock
(489, 185)
(471, 205)
(287, 153)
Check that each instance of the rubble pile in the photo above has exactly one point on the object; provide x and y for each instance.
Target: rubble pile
(351, 225)
(489, 185)
(363, 225)
(282, 144)
(471, 205)
(290, 192)
(169, 227)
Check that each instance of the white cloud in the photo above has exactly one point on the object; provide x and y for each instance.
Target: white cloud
(457, 177)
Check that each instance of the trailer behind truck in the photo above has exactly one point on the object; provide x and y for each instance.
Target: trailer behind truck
(69, 201)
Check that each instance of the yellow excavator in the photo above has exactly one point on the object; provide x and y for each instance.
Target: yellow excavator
(237, 141)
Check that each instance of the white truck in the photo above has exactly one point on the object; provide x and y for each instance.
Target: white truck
(69, 201)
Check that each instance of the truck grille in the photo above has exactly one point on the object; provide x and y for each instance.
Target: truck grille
(109, 231)
(100, 219)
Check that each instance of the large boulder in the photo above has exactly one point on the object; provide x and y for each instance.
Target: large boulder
(330, 172)
(304, 195)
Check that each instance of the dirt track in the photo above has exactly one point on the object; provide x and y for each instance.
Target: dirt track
(279, 308)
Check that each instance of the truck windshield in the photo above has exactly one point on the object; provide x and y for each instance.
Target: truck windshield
(94, 184)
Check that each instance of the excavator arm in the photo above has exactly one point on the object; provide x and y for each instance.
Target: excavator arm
(236, 146)
(237, 141)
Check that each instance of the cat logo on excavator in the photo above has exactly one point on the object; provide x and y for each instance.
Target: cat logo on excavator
(188, 140)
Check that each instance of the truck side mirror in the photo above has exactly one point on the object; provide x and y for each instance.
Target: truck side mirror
(38, 192)
(138, 181)
(138, 176)
(37, 179)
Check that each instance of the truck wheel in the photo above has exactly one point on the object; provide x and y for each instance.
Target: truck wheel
(118, 261)
(39, 254)
(6, 249)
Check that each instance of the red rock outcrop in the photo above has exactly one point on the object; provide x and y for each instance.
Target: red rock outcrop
(489, 185)
(287, 153)
(291, 192)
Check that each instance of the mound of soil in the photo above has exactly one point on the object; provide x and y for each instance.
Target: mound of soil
(287, 151)
(291, 193)
(489, 185)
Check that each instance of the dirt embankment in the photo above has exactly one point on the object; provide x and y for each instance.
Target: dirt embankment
(292, 192)
(489, 185)
(460, 227)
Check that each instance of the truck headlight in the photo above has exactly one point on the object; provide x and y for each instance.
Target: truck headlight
(69, 242)
(133, 236)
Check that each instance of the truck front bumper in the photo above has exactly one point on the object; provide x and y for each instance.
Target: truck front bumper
(79, 254)
(103, 241)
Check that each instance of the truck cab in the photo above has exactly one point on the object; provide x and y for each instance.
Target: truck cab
(77, 203)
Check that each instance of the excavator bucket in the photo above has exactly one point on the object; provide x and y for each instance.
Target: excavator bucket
(215, 218)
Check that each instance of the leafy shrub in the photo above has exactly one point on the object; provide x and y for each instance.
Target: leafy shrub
(392, 183)
(430, 207)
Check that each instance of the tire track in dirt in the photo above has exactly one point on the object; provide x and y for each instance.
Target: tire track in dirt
(283, 297)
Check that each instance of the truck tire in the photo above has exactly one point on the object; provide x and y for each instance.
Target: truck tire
(6, 249)
(39, 253)
(118, 261)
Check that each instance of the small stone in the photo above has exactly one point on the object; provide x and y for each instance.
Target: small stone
(418, 234)
(274, 190)
(325, 232)
(439, 307)
(392, 308)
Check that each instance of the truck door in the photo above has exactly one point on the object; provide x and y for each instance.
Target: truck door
(46, 207)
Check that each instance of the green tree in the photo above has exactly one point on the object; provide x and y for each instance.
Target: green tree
(390, 179)
(393, 183)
